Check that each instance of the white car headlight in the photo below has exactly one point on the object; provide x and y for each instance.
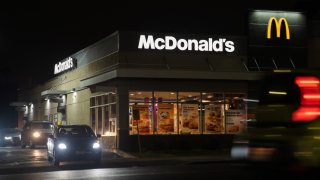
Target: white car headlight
(62, 146)
(7, 138)
(96, 145)
(36, 134)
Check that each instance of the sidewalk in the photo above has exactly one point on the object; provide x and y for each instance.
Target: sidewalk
(191, 156)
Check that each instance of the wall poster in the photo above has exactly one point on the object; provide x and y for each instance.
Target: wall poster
(214, 118)
(189, 119)
(140, 118)
(235, 121)
(165, 118)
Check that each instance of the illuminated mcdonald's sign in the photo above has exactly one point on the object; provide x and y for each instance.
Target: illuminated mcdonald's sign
(278, 27)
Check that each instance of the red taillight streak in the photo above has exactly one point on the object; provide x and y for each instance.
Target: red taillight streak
(311, 96)
(308, 83)
(310, 99)
(306, 114)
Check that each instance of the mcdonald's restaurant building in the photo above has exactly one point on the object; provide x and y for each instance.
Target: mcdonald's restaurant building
(148, 90)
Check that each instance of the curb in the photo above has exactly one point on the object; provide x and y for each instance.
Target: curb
(121, 153)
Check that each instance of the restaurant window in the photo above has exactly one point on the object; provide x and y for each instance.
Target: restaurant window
(106, 120)
(112, 97)
(110, 118)
(93, 119)
(165, 116)
(105, 99)
(99, 100)
(213, 113)
(113, 110)
(169, 112)
(189, 112)
(99, 131)
(92, 101)
(140, 112)
(103, 113)
(235, 109)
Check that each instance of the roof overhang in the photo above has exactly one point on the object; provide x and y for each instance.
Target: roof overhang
(18, 104)
(169, 74)
(53, 93)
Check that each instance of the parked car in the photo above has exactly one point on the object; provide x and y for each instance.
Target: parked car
(10, 136)
(73, 143)
(36, 133)
(287, 127)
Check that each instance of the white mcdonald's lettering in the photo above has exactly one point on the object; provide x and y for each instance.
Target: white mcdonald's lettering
(278, 27)
(171, 43)
(63, 66)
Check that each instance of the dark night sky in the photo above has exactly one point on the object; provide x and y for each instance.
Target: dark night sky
(34, 36)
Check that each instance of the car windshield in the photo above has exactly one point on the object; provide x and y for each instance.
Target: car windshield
(41, 126)
(9, 130)
(76, 131)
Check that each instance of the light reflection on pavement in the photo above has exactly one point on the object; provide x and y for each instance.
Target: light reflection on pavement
(15, 156)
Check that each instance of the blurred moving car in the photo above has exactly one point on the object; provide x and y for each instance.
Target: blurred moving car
(36, 133)
(73, 143)
(10, 136)
(287, 127)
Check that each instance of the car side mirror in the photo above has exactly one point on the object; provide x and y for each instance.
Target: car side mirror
(98, 135)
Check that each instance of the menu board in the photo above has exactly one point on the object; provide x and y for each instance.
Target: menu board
(214, 119)
(189, 118)
(234, 121)
(165, 118)
(141, 119)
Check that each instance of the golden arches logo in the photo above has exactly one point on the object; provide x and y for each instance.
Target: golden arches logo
(278, 27)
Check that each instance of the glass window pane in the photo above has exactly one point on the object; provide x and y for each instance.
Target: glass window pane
(140, 112)
(106, 120)
(213, 115)
(93, 119)
(105, 99)
(92, 101)
(113, 110)
(165, 96)
(140, 96)
(140, 119)
(99, 100)
(165, 119)
(235, 113)
(112, 98)
(112, 124)
(99, 120)
(189, 112)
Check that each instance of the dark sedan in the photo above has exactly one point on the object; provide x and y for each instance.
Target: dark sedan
(10, 136)
(74, 143)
